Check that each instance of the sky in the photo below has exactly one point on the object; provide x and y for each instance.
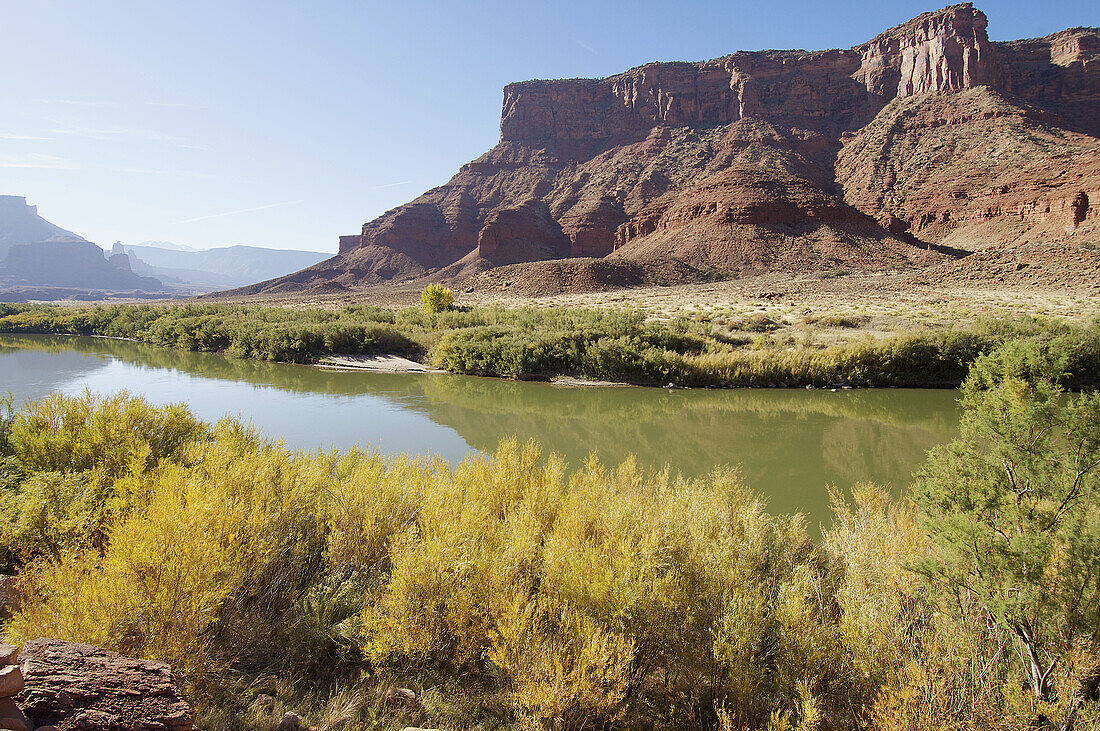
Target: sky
(285, 124)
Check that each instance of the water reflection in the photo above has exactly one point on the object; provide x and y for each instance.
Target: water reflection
(790, 444)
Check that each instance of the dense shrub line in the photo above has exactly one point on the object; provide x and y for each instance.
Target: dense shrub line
(511, 593)
(534, 343)
(266, 333)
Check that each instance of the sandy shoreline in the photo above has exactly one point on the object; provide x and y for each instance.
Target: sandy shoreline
(375, 364)
(397, 364)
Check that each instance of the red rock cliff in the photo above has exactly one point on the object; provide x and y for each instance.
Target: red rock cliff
(763, 159)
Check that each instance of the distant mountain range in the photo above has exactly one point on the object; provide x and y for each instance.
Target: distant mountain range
(42, 261)
(220, 268)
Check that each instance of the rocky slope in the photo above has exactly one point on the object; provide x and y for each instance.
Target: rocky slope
(927, 139)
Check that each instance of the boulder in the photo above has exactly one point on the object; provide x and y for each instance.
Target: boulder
(80, 687)
(11, 718)
(11, 681)
(291, 722)
(401, 697)
(9, 655)
(264, 704)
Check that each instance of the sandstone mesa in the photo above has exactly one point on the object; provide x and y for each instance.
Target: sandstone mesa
(926, 142)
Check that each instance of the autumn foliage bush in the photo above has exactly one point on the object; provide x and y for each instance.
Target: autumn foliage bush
(510, 591)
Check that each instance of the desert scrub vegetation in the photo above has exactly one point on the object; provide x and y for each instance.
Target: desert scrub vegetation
(509, 592)
(616, 345)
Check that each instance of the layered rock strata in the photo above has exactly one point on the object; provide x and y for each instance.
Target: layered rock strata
(927, 136)
(76, 687)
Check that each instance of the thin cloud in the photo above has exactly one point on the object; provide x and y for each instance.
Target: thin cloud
(37, 162)
(22, 137)
(74, 102)
(38, 166)
(234, 213)
(125, 134)
(164, 171)
(391, 185)
(173, 105)
(586, 47)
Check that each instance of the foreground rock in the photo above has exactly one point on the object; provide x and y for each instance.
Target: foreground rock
(76, 687)
(11, 683)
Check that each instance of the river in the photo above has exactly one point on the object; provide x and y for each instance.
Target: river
(790, 444)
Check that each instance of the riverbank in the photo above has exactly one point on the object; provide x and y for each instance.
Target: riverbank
(601, 345)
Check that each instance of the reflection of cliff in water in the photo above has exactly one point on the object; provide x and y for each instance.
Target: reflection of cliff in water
(788, 441)
(840, 437)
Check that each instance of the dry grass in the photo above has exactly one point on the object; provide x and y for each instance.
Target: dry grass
(885, 303)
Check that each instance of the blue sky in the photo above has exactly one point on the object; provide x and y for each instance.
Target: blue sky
(286, 124)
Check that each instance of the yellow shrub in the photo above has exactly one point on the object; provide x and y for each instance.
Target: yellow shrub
(605, 597)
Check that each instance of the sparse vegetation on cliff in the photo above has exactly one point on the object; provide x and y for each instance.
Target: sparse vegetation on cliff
(615, 345)
(508, 593)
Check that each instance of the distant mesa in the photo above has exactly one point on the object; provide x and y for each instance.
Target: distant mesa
(42, 261)
(923, 143)
(21, 224)
(39, 260)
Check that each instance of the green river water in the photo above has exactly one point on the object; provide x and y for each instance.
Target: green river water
(790, 444)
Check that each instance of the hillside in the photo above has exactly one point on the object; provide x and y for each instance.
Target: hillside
(924, 143)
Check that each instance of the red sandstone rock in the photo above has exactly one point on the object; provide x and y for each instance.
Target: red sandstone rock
(942, 51)
(11, 718)
(524, 233)
(927, 134)
(11, 681)
(82, 687)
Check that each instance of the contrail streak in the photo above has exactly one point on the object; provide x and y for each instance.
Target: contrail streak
(234, 213)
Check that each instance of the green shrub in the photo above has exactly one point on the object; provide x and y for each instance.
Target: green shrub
(601, 344)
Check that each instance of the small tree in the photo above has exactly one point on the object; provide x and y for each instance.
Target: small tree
(436, 298)
(1012, 507)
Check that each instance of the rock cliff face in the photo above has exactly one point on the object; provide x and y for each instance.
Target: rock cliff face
(868, 157)
(943, 51)
(21, 224)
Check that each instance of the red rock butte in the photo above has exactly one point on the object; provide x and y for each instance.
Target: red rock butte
(927, 141)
